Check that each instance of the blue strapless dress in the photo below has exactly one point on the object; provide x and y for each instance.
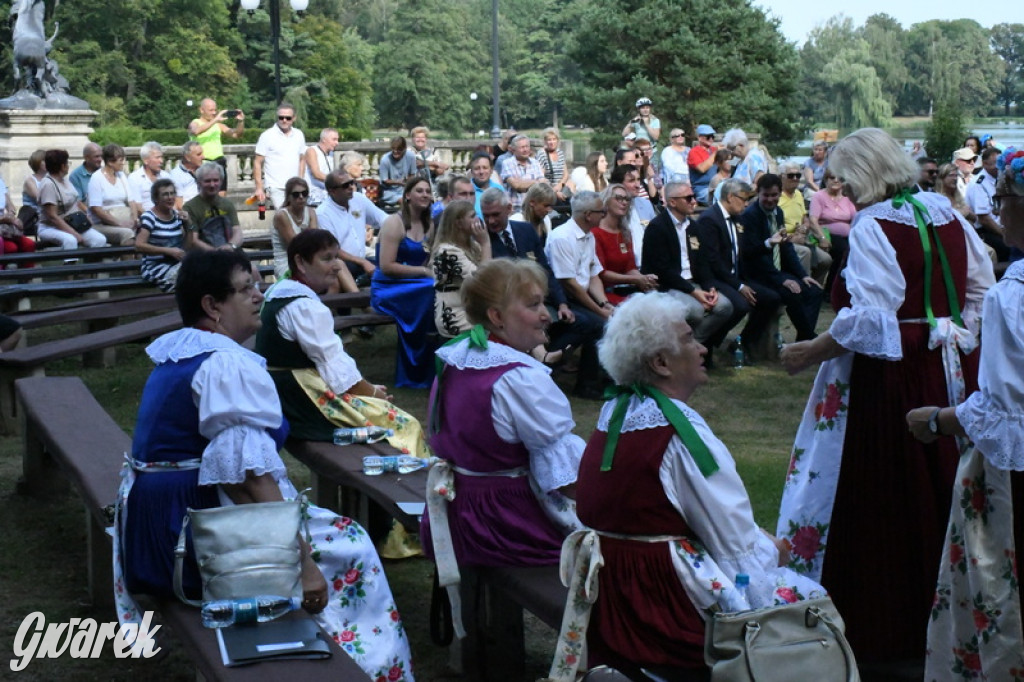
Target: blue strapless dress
(411, 302)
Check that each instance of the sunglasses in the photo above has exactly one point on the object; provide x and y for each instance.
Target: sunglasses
(675, 136)
(285, 118)
(933, 172)
(793, 176)
(301, 194)
(622, 197)
(685, 197)
(344, 185)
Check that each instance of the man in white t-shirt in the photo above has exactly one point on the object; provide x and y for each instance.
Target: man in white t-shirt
(280, 156)
(346, 214)
(149, 171)
(183, 175)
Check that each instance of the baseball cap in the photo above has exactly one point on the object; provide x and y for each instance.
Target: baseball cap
(705, 129)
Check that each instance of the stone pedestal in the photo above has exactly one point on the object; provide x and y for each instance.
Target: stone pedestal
(22, 131)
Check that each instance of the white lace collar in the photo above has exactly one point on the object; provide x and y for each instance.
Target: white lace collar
(939, 208)
(461, 356)
(643, 414)
(1015, 271)
(289, 288)
(188, 343)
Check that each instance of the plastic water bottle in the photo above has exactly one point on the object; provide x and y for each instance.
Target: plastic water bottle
(737, 354)
(374, 465)
(361, 434)
(779, 341)
(742, 582)
(226, 612)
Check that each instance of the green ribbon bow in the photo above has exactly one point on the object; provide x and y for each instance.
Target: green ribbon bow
(477, 339)
(924, 222)
(691, 439)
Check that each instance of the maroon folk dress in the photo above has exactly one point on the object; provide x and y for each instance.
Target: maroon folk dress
(893, 497)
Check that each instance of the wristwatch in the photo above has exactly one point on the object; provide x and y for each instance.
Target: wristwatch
(933, 422)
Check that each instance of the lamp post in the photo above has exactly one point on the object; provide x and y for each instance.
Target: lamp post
(275, 30)
(495, 120)
(472, 107)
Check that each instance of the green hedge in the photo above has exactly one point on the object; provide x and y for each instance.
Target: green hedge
(133, 136)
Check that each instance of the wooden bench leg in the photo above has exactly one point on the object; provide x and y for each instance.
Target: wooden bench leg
(8, 399)
(103, 357)
(505, 645)
(101, 571)
(40, 474)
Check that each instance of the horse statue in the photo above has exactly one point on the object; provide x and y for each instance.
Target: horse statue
(31, 47)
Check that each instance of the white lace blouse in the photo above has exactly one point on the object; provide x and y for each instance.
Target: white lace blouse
(877, 286)
(993, 416)
(527, 407)
(237, 402)
(310, 323)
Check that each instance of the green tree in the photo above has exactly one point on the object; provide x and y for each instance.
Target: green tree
(950, 60)
(339, 72)
(1008, 43)
(429, 65)
(823, 43)
(855, 89)
(945, 133)
(701, 61)
(887, 54)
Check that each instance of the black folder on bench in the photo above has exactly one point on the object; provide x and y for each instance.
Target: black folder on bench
(275, 640)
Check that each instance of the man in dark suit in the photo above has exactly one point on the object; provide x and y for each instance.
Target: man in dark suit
(769, 259)
(719, 235)
(516, 239)
(679, 271)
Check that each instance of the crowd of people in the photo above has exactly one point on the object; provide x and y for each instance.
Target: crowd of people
(643, 267)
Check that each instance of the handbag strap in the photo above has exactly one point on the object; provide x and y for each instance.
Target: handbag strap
(60, 195)
(753, 628)
(179, 565)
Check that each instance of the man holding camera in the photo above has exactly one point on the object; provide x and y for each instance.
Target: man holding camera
(208, 129)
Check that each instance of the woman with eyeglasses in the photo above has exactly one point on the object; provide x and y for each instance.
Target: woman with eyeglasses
(161, 236)
(615, 249)
(812, 245)
(865, 505)
(293, 217)
(832, 210)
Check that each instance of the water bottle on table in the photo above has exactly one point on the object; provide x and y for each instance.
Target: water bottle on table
(223, 613)
(375, 465)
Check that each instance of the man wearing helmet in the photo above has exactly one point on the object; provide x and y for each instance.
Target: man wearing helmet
(644, 125)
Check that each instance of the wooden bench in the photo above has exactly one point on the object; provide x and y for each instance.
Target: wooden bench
(87, 446)
(493, 599)
(31, 360)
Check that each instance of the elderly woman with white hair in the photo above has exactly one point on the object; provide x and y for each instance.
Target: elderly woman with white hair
(675, 537)
(915, 278)
(149, 171)
(752, 162)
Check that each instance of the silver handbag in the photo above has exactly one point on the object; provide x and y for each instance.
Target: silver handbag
(244, 550)
(799, 641)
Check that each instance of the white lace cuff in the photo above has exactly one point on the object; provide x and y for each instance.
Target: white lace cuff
(556, 465)
(998, 434)
(236, 450)
(874, 332)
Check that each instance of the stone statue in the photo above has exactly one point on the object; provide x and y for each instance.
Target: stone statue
(38, 77)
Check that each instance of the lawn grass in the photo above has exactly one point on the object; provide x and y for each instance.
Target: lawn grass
(754, 410)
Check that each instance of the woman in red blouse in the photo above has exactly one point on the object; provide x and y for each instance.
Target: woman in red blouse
(615, 248)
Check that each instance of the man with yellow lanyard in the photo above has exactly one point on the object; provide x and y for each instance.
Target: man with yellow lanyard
(208, 129)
